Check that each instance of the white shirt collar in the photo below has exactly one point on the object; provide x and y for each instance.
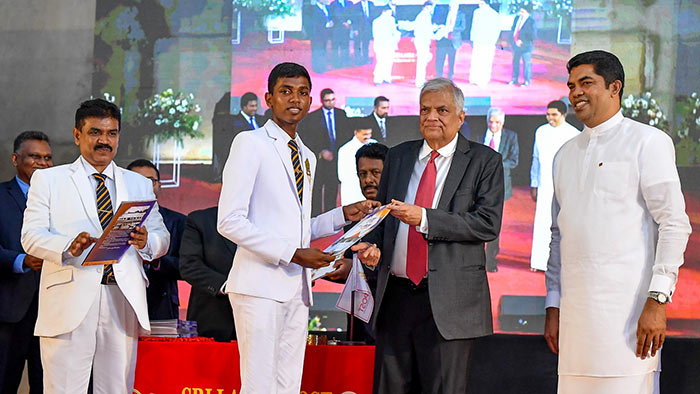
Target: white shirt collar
(89, 169)
(245, 115)
(277, 132)
(607, 125)
(446, 151)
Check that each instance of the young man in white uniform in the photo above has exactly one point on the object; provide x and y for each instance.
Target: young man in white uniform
(265, 209)
(619, 230)
(548, 139)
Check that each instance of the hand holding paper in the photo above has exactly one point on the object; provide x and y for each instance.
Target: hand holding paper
(312, 258)
(139, 237)
(368, 254)
(358, 210)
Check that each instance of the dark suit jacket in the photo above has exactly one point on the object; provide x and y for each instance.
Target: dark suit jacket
(528, 33)
(317, 31)
(314, 132)
(339, 15)
(16, 290)
(205, 261)
(468, 214)
(362, 23)
(510, 152)
(223, 137)
(163, 274)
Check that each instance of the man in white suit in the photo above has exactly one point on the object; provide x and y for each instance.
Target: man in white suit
(89, 316)
(265, 208)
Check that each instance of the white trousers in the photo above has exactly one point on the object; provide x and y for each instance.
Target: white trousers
(385, 62)
(105, 343)
(271, 342)
(481, 64)
(639, 384)
(423, 57)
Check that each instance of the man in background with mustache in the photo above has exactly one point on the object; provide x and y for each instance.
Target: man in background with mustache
(89, 316)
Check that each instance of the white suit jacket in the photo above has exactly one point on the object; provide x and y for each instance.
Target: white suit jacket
(61, 205)
(260, 211)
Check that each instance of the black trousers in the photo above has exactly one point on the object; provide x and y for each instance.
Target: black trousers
(411, 355)
(17, 345)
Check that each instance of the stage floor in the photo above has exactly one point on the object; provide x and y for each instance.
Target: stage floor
(514, 276)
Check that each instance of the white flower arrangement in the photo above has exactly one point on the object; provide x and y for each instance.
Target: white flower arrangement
(645, 109)
(170, 115)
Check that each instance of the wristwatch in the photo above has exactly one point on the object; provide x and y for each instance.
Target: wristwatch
(658, 296)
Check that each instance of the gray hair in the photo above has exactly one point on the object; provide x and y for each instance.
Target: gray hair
(495, 111)
(439, 84)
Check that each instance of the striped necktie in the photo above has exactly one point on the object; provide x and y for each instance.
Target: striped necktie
(298, 173)
(104, 213)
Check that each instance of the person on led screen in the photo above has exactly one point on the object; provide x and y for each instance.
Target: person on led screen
(386, 40)
(484, 34)
(619, 230)
(548, 139)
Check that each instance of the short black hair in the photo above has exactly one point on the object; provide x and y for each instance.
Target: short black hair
(325, 92)
(374, 150)
(604, 64)
(97, 108)
(558, 105)
(286, 70)
(143, 163)
(29, 135)
(248, 97)
(379, 100)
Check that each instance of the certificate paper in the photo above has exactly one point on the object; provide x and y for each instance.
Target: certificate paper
(351, 237)
(114, 240)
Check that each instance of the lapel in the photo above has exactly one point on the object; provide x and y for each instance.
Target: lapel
(504, 142)
(16, 193)
(85, 192)
(405, 165)
(458, 167)
(284, 154)
(121, 189)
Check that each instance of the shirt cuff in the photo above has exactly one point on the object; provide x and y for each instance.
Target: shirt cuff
(423, 226)
(147, 252)
(662, 284)
(552, 299)
(339, 219)
(18, 266)
(222, 290)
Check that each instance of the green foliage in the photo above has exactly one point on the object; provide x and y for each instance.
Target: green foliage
(170, 115)
(552, 8)
(687, 134)
(267, 7)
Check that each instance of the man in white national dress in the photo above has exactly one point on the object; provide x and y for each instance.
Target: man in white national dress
(619, 230)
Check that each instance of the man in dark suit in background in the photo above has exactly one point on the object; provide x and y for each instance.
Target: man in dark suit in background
(505, 142)
(319, 32)
(205, 261)
(432, 291)
(449, 37)
(378, 120)
(222, 137)
(341, 15)
(19, 278)
(324, 131)
(522, 39)
(163, 273)
(363, 15)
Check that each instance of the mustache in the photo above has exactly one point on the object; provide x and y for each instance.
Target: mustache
(103, 146)
(369, 187)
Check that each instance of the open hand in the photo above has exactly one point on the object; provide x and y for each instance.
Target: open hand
(551, 329)
(80, 243)
(651, 329)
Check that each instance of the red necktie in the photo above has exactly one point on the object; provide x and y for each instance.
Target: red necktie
(417, 250)
(516, 34)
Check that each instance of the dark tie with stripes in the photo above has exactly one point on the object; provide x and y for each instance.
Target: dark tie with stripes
(104, 213)
(298, 173)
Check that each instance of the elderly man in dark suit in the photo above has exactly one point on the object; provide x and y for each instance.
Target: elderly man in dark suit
(19, 281)
(505, 142)
(205, 261)
(432, 292)
(324, 131)
(163, 273)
